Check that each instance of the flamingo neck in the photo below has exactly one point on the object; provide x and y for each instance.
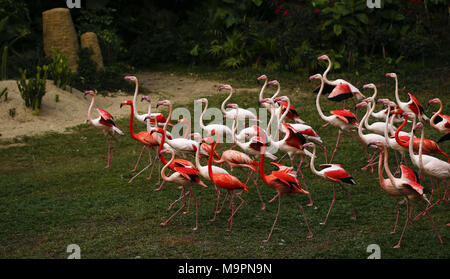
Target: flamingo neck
(133, 135)
(210, 172)
(269, 125)
(366, 116)
(397, 139)
(422, 136)
(261, 165)
(197, 156)
(261, 93)
(311, 164)
(386, 134)
(166, 164)
(203, 113)
(372, 108)
(188, 129)
(397, 98)
(386, 165)
(277, 92)
(435, 115)
(318, 100)
(281, 119)
(149, 112)
(327, 70)
(91, 106)
(410, 147)
(225, 101)
(380, 169)
(135, 113)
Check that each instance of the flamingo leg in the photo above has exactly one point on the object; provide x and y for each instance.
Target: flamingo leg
(282, 158)
(196, 208)
(433, 225)
(396, 219)
(136, 175)
(310, 234)
(138, 160)
(257, 190)
(406, 225)
(217, 205)
(276, 196)
(276, 218)
(109, 152)
(223, 203)
(311, 203)
(337, 144)
(182, 195)
(331, 206)
(153, 166)
(176, 212)
(350, 200)
(325, 152)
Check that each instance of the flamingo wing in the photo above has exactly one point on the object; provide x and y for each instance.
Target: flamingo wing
(106, 117)
(337, 173)
(187, 172)
(340, 92)
(416, 106)
(295, 138)
(289, 178)
(409, 174)
(327, 88)
(345, 115)
(228, 181)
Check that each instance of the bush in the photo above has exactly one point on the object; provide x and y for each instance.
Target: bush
(58, 69)
(33, 90)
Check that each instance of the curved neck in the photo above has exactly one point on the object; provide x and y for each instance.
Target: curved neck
(391, 125)
(210, 172)
(388, 117)
(410, 147)
(135, 113)
(261, 165)
(269, 125)
(380, 169)
(225, 101)
(386, 165)
(422, 136)
(201, 115)
(435, 115)
(286, 111)
(318, 100)
(397, 98)
(372, 108)
(149, 112)
(277, 92)
(311, 164)
(188, 129)
(197, 156)
(261, 93)
(131, 121)
(166, 164)
(363, 121)
(90, 110)
(397, 139)
(327, 70)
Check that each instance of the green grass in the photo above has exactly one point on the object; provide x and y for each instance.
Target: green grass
(54, 191)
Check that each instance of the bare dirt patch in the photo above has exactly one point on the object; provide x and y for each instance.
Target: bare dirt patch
(71, 109)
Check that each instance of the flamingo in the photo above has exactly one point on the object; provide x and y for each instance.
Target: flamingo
(343, 89)
(186, 177)
(176, 162)
(242, 114)
(105, 123)
(344, 120)
(219, 129)
(284, 105)
(228, 182)
(433, 167)
(429, 146)
(386, 183)
(144, 137)
(440, 122)
(367, 138)
(413, 105)
(335, 173)
(409, 186)
(284, 181)
(261, 93)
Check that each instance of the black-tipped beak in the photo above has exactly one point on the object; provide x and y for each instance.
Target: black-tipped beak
(121, 105)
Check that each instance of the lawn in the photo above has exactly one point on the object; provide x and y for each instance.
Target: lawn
(54, 191)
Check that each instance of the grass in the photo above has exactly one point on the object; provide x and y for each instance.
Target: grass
(54, 191)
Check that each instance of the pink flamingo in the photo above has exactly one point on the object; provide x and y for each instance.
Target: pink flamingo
(285, 182)
(413, 105)
(144, 137)
(408, 185)
(186, 177)
(219, 129)
(344, 120)
(242, 113)
(335, 173)
(105, 123)
(440, 122)
(261, 93)
(228, 182)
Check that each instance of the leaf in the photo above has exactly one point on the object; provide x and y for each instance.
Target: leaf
(363, 18)
(257, 2)
(337, 28)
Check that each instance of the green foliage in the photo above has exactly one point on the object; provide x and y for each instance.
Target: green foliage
(33, 90)
(12, 112)
(58, 69)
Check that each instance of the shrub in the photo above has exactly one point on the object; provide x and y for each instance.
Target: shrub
(58, 69)
(33, 90)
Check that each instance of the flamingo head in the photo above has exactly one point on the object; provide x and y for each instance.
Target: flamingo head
(266, 100)
(323, 57)
(407, 114)
(202, 100)
(418, 126)
(235, 106)
(369, 100)
(165, 151)
(89, 92)
(361, 104)
(163, 103)
(156, 130)
(146, 98)
(434, 101)
(370, 85)
(273, 82)
(377, 144)
(225, 86)
(392, 75)
(262, 77)
(281, 98)
(127, 102)
(316, 76)
(133, 78)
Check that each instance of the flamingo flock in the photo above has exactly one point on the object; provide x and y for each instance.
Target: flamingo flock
(291, 136)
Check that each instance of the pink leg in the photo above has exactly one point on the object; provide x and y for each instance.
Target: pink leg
(337, 144)
(257, 190)
(217, 205)
(406, 225)
(331, 206)
(196, 208)
(234, 211)
(310, 234)
(276, 219)
(223, 202)
(153, 164)
(325, 152)
(109, 152)
(396, 219)
(351, 203)
(311, 203)
(182, 195)
(138, 160)
(176, 212)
